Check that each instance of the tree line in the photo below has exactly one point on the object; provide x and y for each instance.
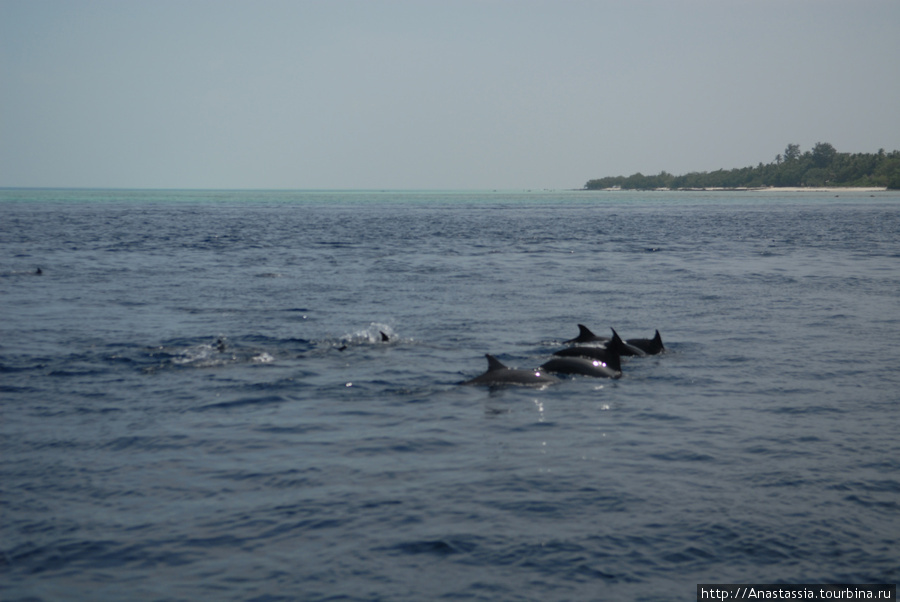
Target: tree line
(821, 166)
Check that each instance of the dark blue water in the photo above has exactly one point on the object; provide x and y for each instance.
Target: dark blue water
(197, 403)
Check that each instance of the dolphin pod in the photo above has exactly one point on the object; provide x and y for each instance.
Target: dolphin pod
(591, 355)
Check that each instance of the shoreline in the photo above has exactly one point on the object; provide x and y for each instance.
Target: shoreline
(759, 189)
(823, 189)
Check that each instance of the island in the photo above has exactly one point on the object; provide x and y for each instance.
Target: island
(821, 167)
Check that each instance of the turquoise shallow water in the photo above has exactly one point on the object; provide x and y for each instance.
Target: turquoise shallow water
(197, 403)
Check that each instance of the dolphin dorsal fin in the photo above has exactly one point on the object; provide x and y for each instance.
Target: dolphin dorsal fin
(658, 340)
(494, 363)
(585, 333)
(384, 338)
(616, 343)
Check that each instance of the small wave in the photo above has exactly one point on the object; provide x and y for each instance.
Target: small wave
(683, 456)
(432, 547)
(299, 429)
(149, 443)
(13, 389)
(889, 486)
(337, 244)
(106, 410)
(104, 554)
(372, 446)
(800, 410)
(891, 506)
(76, 372)
(4, 367)
(243, 402)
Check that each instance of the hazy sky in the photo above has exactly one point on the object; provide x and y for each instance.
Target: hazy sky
(458, 94)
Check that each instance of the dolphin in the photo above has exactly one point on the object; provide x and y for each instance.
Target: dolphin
(623, 347)
(384, 338)
(499, 375)
(586, 336)
(610, 357)
(648, 346)
(580, 365)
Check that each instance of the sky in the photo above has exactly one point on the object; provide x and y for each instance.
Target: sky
(426, 94)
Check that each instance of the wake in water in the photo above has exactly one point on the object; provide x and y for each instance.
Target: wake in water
(185, 353)
(373, 334)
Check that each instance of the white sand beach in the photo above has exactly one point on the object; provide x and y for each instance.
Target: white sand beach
(835, 189)
(819, 189)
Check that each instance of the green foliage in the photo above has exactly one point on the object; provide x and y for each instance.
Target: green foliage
(822, 166)
(792, 152)
(823, 154)
(888, 172)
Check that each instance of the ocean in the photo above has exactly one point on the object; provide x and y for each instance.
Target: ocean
(198, 403)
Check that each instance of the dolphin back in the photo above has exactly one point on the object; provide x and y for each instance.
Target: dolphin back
(606, 355)
(499, 375)
(580, 365)
(624, 348)
(649, 346)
